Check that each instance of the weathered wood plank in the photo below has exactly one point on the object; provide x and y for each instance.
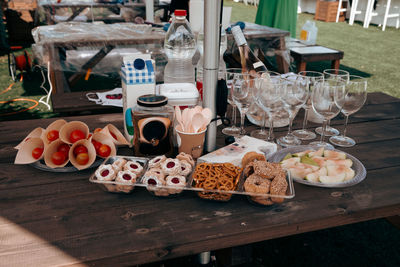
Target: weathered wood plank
(151, 229)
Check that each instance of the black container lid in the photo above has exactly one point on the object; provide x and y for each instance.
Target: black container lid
(152, 100)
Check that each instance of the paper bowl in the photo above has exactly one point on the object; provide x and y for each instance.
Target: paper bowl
(91, 153)
(116, 136)
(55, 125)
(50, 149)
(24, 154)
(67, 129)
(106, 140)
(36, 133)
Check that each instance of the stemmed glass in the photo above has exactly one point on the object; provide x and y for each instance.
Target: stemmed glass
(242, 89)
(335, 74)
(262, 133)
(308, 80)
(229, 75)
(294, 96)
(327, 100)
(269, 97)
(356, 95)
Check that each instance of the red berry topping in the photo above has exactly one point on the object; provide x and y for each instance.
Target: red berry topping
(157, 160)
(126, 176)
(183, 168)
(175, 180)
(105, 173)
(152, 182)
(170, 164)
(134, 166)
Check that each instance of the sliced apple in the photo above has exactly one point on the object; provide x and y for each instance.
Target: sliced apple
(307, 160)
(307, 166)
(297, 172)
(288, 163)
(321, 161)
(332, 179)
(314, 176)
(318, 153)
(350, 173)
(303, 153)
(334, 154)
(345, 162)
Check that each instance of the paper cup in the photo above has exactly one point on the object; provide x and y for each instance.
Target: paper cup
(190, 143)
(24, 155)
(36, 133)
(67, 129)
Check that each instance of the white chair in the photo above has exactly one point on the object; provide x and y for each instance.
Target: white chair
(353, 12)
(340, 9)
(389, 16)
(369, 13)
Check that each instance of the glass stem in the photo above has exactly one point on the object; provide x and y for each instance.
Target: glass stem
(242, 121)
(345, 125)
(264, 122)
(271, 129)
(324, 125)
(328, 124)
(290, 125)
(305, 118)
(234, 115)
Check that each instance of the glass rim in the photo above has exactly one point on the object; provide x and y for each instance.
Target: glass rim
(342, 72)
(320, 74)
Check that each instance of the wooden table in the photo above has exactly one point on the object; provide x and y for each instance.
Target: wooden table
(61, 219)
(303, 55)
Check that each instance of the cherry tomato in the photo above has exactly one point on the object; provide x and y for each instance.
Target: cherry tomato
(52, 135)
(90, 135)
(64, 148)
(96, 145)
(80, 149)
(37, 152)
(58, 158)
(113, 135)
(97, 130)
(104, 151)
(76, 135)
(82, 158)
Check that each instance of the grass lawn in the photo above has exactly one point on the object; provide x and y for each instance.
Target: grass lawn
(367, 52)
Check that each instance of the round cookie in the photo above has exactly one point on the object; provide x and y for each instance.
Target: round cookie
(134, 167)
(171, 166)
(105, 173)
(183, 156)
(119, 164)
(156, 162)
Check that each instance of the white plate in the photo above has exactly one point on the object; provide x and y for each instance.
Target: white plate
(358, 167)
(69, 168)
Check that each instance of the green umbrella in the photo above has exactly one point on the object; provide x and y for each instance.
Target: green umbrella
(281, 14)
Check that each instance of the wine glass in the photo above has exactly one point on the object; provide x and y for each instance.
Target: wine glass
(262, 133)
(294, 96)
(242, 94)
(229, 75)
(327, 99)
(269, 98)
(308, 80)
(356, 95)
(335, 74)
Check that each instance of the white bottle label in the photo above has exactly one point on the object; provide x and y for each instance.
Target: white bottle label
(238, 35)
(258, 64)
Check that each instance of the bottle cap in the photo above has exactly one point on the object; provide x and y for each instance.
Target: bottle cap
(238, 35)
(180, 12)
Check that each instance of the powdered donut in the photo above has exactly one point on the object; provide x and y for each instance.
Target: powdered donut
(134, 167)
(119, 164)
(171, 166)
(156, 162)
(105, 173)
(186, 157)
(186, 168)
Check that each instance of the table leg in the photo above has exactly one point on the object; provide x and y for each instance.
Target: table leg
(335, 64)
(301, 66)
(76, 12)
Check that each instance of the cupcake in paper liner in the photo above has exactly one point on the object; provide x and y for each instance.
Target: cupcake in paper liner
(73, 131)
(81, 161)
(115, 134)
(106, 140)
(36, 133)
(30, 151)
(50, 155)
(52, 131)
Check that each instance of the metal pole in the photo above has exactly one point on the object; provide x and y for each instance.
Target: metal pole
(211, 64)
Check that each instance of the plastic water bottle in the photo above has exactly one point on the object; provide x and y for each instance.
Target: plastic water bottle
(180, 47)
(308, 34)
